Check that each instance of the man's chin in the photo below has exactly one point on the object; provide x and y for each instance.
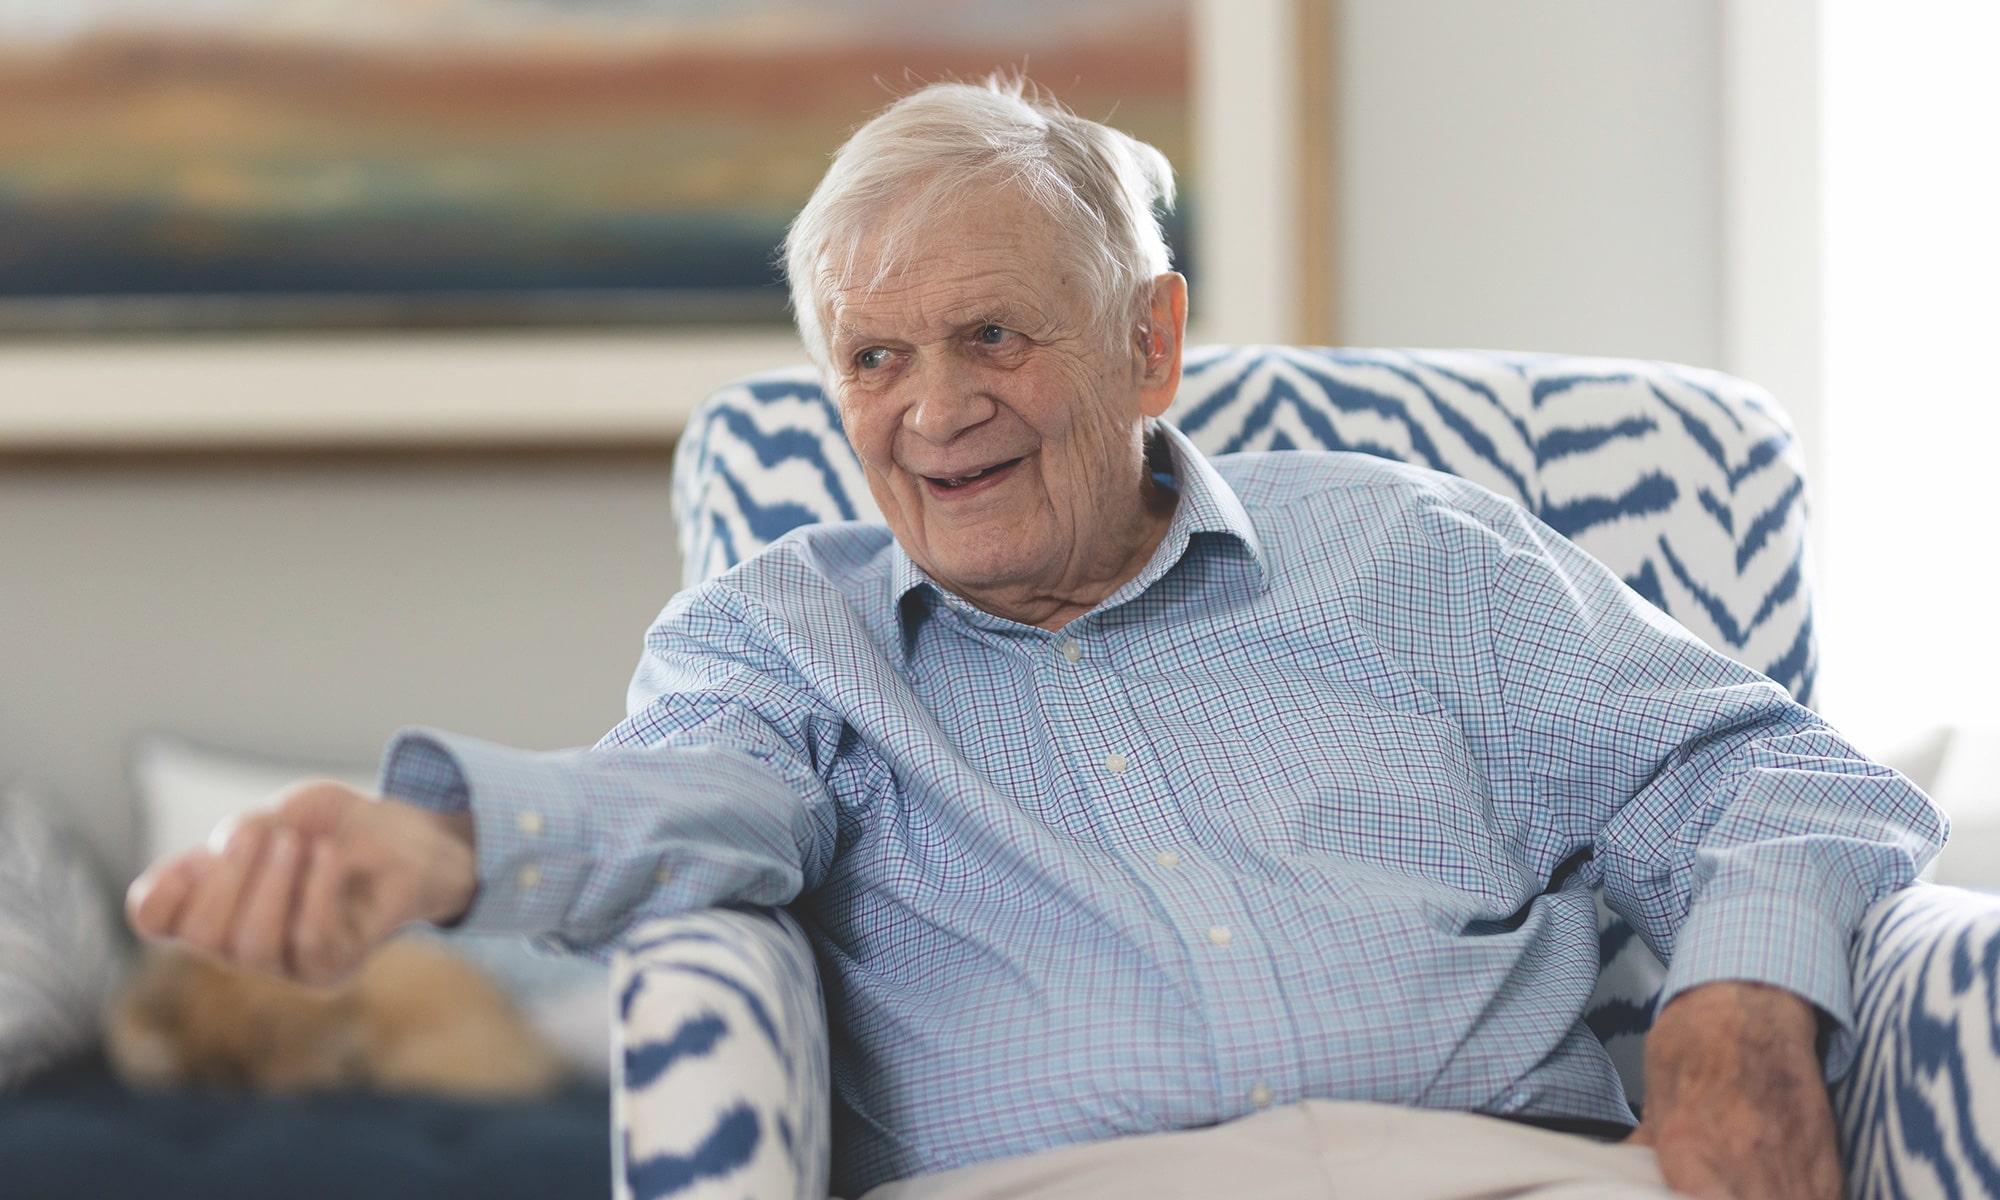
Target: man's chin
(970, 578)
(973, 572)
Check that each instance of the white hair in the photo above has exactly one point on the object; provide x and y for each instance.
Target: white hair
(949, 145)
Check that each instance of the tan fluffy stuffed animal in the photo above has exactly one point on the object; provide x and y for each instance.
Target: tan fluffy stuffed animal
(415, 1018)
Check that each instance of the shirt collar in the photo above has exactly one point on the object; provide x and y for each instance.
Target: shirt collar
(1207, 505)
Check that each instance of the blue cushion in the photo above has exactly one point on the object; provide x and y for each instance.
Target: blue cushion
(77, 1133)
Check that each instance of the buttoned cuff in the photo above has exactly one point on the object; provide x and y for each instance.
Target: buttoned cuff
(531, 867)
(1785, 939)
(575, 845)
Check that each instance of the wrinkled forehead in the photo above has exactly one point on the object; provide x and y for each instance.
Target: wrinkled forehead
(930, 235)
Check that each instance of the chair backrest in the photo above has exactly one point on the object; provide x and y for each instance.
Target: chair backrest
(1688, 483)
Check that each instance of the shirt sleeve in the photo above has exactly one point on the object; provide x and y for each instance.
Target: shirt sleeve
(1739, 834)
(712, 791)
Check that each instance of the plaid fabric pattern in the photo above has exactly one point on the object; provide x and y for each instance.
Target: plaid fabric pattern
(1313, 807)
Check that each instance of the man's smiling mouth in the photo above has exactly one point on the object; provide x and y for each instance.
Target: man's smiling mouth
(953, 482)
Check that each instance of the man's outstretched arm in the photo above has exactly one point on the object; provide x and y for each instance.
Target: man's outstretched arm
(307, 888)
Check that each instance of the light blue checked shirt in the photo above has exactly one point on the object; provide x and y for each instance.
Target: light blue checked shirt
(1284, 817)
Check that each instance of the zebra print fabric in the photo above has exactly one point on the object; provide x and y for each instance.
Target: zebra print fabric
(721, 1085)
(1685, 482)
(1920, 1112)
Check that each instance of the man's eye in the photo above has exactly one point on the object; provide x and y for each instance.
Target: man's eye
(871, 358)
(992, 335)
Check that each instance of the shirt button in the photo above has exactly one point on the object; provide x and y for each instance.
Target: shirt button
(1167, 858)
(1219, 934)
(1260, 1097)
(529, 877)
(663, 875)
(1115, 763)
(1072, 651)
(529, 823)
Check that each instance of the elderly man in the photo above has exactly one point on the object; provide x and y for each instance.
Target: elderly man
(1126, 792)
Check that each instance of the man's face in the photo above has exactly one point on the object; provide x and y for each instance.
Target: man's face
(999, 425)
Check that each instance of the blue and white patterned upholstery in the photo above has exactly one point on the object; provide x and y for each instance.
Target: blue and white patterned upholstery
(1686, 482)
(1920, 1112)
(721, 1082)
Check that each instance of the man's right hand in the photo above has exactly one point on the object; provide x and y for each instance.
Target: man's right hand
(306, 888)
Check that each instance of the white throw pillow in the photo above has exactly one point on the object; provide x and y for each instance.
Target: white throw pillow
(186, 790)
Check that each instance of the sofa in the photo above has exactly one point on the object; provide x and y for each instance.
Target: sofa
(69, 1128)
(1687, 483)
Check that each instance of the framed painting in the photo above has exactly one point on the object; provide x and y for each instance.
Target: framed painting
(283, 164)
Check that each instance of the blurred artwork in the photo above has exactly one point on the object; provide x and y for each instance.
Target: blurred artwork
(300, 163)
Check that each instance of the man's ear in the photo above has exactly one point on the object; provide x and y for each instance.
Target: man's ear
(1159, 342)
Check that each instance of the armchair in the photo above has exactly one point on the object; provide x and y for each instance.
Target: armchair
(1687, 483)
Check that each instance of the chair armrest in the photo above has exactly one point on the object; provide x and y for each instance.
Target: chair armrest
(1919, 1113)
(720, 1086)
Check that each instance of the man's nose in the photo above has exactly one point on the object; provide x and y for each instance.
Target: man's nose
(950, 400)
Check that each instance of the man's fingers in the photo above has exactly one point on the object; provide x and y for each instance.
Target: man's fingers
(317, 807)
(264, 912)
(324, 944)
(211, 913)
(154, 901)
(307, 887)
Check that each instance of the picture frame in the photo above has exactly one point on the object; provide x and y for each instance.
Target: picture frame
(464, 164)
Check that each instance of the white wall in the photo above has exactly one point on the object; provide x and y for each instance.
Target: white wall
(1913, 404)
(1773, 226)
(1244, 281)
(1536, 175)
(307, 610)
